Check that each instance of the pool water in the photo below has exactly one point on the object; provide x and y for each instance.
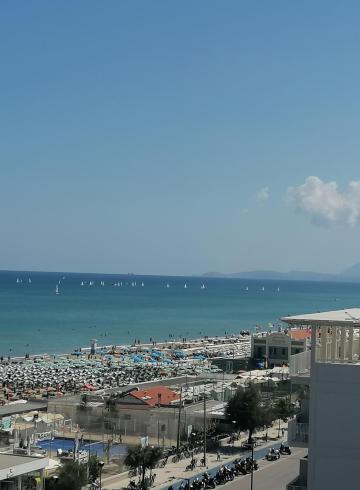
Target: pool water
(97, 448)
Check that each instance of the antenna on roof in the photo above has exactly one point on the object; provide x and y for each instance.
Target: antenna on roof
(352, 317)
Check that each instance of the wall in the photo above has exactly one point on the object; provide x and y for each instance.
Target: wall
(334, 433)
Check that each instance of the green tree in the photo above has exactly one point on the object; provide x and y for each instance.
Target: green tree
(143, 458)
(94, 468)
(247, 410)
(72, 476)
(283, 410)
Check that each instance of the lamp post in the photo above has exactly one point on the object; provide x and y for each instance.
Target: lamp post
(101, 466)
(252, 466)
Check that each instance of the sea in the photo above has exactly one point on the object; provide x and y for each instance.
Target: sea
(119, 309)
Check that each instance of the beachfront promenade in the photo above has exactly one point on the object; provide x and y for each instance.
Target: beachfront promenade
(173, 472)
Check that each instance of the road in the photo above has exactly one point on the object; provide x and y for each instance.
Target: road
(271, 476)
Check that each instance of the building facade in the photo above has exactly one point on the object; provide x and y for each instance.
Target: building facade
(275, 348)
(333, 373)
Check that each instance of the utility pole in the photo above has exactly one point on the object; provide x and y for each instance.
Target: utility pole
(179, 420)
(252, 466)
(204, 428)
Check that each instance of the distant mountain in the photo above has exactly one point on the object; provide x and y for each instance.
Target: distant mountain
(350, 274)
(214, 274)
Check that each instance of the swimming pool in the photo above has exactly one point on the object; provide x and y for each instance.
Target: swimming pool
(98, 448)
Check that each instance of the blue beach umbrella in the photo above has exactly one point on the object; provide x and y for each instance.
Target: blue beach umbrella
(180, 353)
(199, 357)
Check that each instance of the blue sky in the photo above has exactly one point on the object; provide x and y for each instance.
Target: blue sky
(163, 137)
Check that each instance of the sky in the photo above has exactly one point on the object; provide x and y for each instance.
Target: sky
(179, 137)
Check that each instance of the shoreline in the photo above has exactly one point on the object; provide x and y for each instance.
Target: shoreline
(210, 342)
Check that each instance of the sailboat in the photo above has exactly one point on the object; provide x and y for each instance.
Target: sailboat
(263, 289)
(82, 283)
(185, 286)
(278, 289)
(247, 288)
(18, 280)
(202, 286)
(142, 284)
(57, 289)
(29, 280)
(167, 285)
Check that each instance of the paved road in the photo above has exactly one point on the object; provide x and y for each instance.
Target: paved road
(271, 476)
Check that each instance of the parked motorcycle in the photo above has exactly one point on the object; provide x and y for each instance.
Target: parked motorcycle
(273, 454)
(285, 449)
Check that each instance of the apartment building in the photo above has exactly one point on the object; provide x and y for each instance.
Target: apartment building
(332, 370)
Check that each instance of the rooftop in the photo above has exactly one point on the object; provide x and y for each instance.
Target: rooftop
(14, 408)
(300, 333)
(158, 394)
(10, 460)
(349, 317)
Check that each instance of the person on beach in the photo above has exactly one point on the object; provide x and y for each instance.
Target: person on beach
(218, 456)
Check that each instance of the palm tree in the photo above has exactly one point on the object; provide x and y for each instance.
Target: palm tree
(143, 458)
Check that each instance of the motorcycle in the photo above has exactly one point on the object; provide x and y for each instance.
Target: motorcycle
(285, 449)
(273, 455)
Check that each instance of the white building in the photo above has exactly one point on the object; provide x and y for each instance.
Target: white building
(334, 429)
(18, 472)
(276, 347)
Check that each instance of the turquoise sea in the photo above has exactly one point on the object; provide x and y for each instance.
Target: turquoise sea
(34, 319)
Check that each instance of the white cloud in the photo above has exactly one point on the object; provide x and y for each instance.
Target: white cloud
(263, 194)
(325, 203)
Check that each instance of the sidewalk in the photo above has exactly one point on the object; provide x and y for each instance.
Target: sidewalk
(176, 471)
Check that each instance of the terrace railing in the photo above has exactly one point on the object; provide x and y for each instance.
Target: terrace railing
(300, 364)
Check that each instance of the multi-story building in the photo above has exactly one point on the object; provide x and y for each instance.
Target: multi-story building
(275, 348)
(332, 369)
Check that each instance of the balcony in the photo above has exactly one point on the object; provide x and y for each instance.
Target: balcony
(300, 364)
(300, 482)
(298, 433)
(294, 486)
